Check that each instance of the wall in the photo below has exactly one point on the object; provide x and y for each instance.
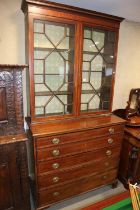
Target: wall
(12, 36)
(128, 63)
(12, 49)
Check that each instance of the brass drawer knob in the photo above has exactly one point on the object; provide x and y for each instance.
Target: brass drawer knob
(104, 177)
(55, 165)
(55, 141)
(56, 193)
(55, 179)
(110, 141)
(108, 152)
(111, 130)
(55, 152)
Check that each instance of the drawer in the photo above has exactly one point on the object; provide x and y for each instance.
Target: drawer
(57, 193)
(71, 161)
(78, 147)
(74, 173)
(77, 136)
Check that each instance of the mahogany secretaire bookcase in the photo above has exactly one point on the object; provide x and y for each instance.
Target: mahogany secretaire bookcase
(14, 182)
(74, 138)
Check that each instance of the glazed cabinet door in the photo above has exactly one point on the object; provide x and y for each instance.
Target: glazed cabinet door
(97, 69)
(53, 68)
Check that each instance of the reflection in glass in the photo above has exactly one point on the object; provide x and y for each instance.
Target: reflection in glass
(53, 67)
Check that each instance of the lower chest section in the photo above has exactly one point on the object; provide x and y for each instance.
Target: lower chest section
(75, 162)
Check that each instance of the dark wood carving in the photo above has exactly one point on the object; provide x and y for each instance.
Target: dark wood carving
(3, 109)
(11, 97)
(14, 189)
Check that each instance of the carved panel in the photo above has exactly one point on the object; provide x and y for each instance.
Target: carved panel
(11, 97)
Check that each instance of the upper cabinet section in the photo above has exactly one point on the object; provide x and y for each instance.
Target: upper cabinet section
(72, 56)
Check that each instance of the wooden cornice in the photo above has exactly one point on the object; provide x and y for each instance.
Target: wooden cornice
(67, 8)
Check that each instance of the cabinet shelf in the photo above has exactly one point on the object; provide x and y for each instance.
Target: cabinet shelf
(54, 49)
(48, 93)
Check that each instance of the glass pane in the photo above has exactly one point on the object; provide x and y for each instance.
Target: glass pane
(89, 46)
(85, 77)
(87, 33)
(85, 98)
(38, 66)
(84, 107)
(40, 101)
(56, 67)
(98, 37)
(54, 106)
(54, 82)
(55, 33)
(54, 45)
(94, 103)
(38, 27)
(40, 88)
(39, 54)
(97, 69)
(97, 63)
(96, 80)
(39, 111)
(86, 86)
(86, 66)
(41, 41)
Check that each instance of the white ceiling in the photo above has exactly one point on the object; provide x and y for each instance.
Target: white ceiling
(128, 9)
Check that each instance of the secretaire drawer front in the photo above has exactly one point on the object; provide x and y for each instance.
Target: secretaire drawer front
(78, 136)
(57, 193)
(78, 147)
(73, 173)
(69, 161)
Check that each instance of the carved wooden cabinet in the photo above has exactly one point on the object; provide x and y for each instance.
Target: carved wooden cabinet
(14, 187)
(72, 56)
(14, 183)
(130, 157)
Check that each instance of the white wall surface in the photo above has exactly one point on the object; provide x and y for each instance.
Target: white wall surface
(12, 44)
(128, 63)
(12, 49)
(12, 36)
